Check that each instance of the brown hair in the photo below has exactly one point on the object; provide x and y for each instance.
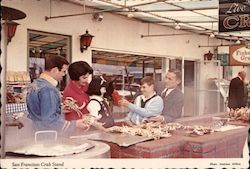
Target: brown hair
(52, 61)
(148, 80)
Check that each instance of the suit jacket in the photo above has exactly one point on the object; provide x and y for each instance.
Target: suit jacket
(173, 104)
(236, 93)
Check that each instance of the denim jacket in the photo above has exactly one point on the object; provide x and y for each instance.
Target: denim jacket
(44, 107)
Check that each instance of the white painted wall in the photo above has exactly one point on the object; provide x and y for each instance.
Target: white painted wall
(114, 32)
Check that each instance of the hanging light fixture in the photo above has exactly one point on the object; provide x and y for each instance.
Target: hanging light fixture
(11, 29)
(130, 14)
(177, 26)
(208, 56)
(212, 35)
(98, 17)
(85, 41)
(238, 41)
(9, 14)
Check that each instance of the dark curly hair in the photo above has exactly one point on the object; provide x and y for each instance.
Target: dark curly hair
(95, 86)
(77, 69)
(109, 90)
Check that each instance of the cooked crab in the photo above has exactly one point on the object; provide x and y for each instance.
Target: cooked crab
(71, 104)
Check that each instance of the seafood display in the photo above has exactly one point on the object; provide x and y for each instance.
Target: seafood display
(155, 130)
(159, 130)
(198, 130)
(240, 114)
(89, 119)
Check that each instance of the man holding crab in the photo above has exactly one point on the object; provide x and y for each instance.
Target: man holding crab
(44, 101)
(147, 105)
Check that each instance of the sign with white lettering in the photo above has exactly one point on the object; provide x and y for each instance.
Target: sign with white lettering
(234, 15)
(239, 55)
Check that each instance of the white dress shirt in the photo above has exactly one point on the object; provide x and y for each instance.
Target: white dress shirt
(167, 93)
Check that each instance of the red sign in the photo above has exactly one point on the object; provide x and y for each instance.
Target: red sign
(239, 55)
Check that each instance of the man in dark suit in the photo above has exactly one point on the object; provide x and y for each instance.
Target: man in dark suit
(236, 91)
(172, 96)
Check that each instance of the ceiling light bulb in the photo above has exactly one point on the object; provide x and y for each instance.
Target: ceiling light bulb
(212, 35)
(177, 26)
(238, 41)
(98, 17)
(130, 15)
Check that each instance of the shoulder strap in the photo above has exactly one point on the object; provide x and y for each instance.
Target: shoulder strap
(106, 106)
(95, 100)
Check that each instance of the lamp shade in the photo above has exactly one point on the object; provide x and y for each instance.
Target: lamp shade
(11, 13)
(208, 56)
(8, 14)
(11, 29)
(85, 41)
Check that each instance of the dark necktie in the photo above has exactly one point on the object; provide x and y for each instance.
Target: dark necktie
(143, 103)
(163, 95)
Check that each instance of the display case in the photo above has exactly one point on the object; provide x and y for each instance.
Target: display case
(16, 85)
(209, 99)
(223, 87)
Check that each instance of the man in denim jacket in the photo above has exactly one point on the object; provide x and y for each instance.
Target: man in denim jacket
(43, 98)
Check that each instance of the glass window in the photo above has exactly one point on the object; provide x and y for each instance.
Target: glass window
(41, 44)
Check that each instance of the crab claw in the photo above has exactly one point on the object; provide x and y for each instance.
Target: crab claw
(82, 106)
(69, 98)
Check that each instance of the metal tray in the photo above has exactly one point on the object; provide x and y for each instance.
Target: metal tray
(51, 148)
(123, 140)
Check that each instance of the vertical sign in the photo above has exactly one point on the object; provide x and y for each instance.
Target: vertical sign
(234, 15)
(224, 59)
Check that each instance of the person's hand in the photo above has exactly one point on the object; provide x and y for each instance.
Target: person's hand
(81, 124)
(99, 125)
(129, 123)
(158, 118)
(124, 102)
(65, 109)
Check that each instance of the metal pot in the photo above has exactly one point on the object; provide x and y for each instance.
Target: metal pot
(50, 148)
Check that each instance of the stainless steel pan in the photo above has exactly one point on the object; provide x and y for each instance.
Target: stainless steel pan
(53, 147)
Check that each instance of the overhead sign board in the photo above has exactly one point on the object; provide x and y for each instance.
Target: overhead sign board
(234, 15)
(239, 55)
